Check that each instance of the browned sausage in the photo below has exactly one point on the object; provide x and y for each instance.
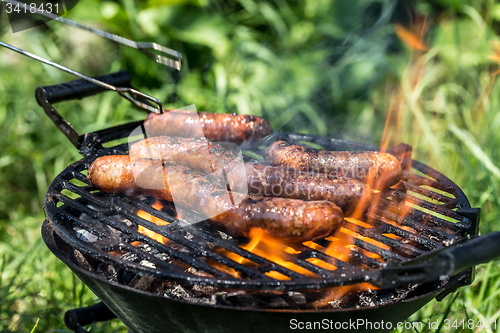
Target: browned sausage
(216, 126)
(201, 154)
(288, 219)
(198, 154)
(376, 168)
(352, 196)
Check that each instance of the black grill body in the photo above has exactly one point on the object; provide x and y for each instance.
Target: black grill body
(143, 312)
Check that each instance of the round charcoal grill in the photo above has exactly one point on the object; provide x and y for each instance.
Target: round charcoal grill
(421, 232)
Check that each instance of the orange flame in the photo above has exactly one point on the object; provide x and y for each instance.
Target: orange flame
(274, 250)
(342, 244)
(153, 235)
(495, 57)
(267, 247)
(412, 39)
(495, 48)
(338, 293)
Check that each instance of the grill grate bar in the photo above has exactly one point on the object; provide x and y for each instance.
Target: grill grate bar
(428, 244)
(434, 208)
(267, 265)
(385, 254)
(109, 258)
(107, 208)
(362, 260)
(94, 228)
(446, 201)
(423, 204)
(341, 265)
(192, 261)
(135, 236)
(376, 233)
(201, 251)
(207, 236)
(423, 181)
(80, 176)
(414, 219)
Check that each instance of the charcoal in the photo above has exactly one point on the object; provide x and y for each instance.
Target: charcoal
(147, 248)
(84, 261)
(240, 299)
(402, 293)
(108, 271)
(366, 300)
(125, 277)
(335, 304)
(261, 299)
(246, 298)
(142, 282)
(203, 291)
(223, 235)
(130, 256)
(151, 250)
(197, 272)
(159, 285)
(179, 292)
(147, 264)
(296, 298)
(164, 257)
(85, 236)
(277, 303)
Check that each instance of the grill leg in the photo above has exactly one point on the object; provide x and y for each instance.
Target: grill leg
(77, 318)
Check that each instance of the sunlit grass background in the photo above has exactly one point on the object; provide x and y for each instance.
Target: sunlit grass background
(337, 68)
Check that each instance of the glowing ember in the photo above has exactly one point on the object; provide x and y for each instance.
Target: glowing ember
(338, 293)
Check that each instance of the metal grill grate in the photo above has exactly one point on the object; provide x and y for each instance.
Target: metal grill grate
(99, 224)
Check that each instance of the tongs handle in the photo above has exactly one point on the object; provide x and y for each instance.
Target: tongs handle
(80, 88)
(77, 89)
(134, 96)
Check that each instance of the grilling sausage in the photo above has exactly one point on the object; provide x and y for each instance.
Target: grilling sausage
(215, 126)
(198, 154)
(352, 196)
(377, 168)
(288, 219)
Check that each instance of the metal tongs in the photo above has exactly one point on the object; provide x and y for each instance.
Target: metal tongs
(126, 92)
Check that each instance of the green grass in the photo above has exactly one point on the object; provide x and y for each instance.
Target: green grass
(331, 68)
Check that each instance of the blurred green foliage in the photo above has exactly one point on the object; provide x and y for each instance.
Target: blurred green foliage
(324, 67)
(292, 62)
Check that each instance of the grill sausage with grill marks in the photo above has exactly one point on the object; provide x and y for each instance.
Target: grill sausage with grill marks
(288, 219)
(234, 128)
(377, 168)
(198, 154)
